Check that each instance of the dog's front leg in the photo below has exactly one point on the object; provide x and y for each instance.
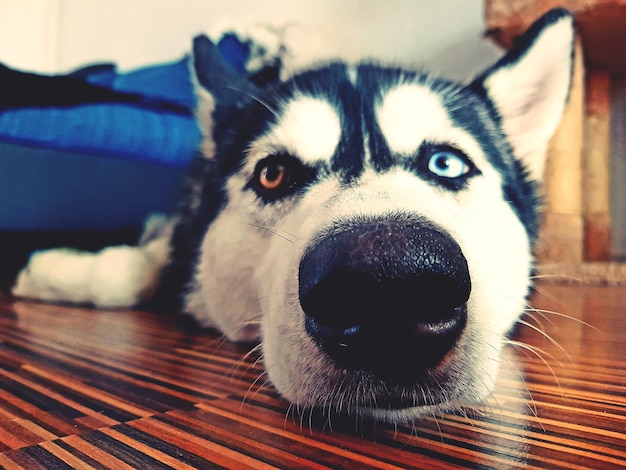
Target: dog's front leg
(115, 277)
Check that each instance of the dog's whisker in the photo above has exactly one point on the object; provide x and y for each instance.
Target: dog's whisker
(288, 412)
(531, 405)
(526, 347)
(310, 421)
(561, 276)
(539, 353)
(491, 397)
(244, 365)
(430, 399)
(297, 416)
(255, 98)
(548, 337)
(545, 312)
(343, 398)
(291, 234)
(529, 310)
(465, 413)
(299, 413)
(548, 295)
(275, 231)
(520, 376)
(556, 277)
(538, 318)
(252, 387)
(255, 350)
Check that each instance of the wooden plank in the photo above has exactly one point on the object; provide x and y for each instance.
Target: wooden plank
(596, 167)
(565, 409)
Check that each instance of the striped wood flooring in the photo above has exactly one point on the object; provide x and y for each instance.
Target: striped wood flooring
(130, 389)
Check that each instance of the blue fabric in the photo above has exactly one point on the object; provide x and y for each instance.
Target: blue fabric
(46, 189)
(106, 130)
(101, 165)
(169, 82)
(122, 130)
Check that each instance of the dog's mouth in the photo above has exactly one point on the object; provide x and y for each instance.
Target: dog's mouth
(386, 299)
(401, 351)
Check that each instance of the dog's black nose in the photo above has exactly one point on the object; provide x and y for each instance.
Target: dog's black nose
(385, 295)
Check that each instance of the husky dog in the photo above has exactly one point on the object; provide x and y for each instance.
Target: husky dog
(373, 226)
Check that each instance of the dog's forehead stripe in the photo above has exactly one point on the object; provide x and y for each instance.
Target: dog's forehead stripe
(308, 127)
(407, 114)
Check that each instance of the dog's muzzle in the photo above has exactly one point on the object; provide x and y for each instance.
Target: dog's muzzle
(386, 295)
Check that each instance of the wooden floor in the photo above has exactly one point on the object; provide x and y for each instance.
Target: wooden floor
(81, 388)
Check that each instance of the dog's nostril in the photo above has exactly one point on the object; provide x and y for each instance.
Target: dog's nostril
(372, 300)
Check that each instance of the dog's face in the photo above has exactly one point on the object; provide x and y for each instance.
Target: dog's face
(377, 225)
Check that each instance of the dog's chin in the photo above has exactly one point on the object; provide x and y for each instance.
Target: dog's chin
(310, 379)
(366, 397)
(409, 414)
(406, 404)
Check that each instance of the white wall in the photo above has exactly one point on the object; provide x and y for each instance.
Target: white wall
(52, 36)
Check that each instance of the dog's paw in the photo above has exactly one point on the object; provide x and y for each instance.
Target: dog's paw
(116, 277)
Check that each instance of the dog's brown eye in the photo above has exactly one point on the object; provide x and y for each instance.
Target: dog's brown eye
(278, 176)
(273, 176)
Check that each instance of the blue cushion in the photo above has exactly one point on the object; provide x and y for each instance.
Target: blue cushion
(51, 189)
(117, 129)
(97, 149)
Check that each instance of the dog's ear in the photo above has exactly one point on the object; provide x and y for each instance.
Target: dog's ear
(221, 91)
(529, 85)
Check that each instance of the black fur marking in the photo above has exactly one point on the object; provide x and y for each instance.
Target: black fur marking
(349, 156)
(203, 197)
(372, 82)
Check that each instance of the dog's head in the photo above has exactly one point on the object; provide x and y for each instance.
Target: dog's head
(376, 224)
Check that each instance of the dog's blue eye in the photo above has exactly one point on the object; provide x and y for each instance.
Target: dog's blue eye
(447, 164)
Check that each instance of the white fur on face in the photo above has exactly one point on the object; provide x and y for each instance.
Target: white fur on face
(308, 127)
(221, 295)
(409, 113)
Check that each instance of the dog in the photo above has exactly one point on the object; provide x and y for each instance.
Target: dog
(372, 226)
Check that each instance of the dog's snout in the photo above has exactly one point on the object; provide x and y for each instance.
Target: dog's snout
(382, 294)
